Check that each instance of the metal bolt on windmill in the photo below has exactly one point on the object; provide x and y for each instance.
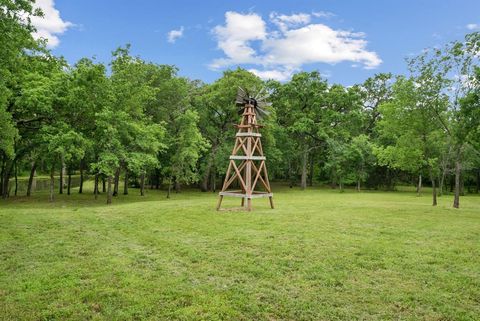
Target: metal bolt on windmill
(247, 168)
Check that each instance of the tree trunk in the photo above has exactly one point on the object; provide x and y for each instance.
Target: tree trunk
(177, 187)
(419, 185)
(52, 183)
(310, 176)
(62, 167)
(206, 175)
(478, 181)
(116, 182)
(204, 182)
(6, 179)
(434, 190)
(30, 179)
(341, 185)
(109, 190)
(16, 178)
(458, 170)
(95, 186)
(80, 189)
(125, 183)
(290, 175)
(358, 185)
(69, 182)
(442, 183)
(303, 182)
(104, 186)
(214, 182)
(1, 174)
(169, 188)
(142, 184)
(157, 179)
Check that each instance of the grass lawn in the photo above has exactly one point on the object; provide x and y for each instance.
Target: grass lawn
(320, 255)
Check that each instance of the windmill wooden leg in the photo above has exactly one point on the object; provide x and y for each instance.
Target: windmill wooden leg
(248, 149)
(219, 202)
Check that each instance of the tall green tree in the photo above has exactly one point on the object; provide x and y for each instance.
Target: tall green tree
(408, 121)
(87, 92)
(185, 148)
(454, 67)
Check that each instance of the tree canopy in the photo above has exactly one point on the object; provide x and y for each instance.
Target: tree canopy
(142, 122)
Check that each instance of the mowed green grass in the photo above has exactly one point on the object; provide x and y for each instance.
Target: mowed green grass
(320, 255)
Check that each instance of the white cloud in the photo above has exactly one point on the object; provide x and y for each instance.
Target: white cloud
(319, 43)
(284, 22)
(51, 25)
(279, 74)
(473, 26)
(173, 35)
(234, 38)
(293, 41)
(323, 14)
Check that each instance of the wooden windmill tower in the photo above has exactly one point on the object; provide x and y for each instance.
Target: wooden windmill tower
(247, 168)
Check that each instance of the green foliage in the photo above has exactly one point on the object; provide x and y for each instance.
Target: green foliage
(8, 133)
(409, 124)
(185, 149)
(60, 141)
(143, 120)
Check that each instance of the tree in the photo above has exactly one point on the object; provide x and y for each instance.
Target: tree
(375, 91)
(453, 66)
(60, 141)
(360, 157)
(300, 109)
(185, 149)
(407, 122)
(87, 92)
(16, 40)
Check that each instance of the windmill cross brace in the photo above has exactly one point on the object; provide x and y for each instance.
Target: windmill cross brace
(251, 171)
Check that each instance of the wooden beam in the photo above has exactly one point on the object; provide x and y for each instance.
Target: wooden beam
(241, 157)
(248, 135)
(242, 195)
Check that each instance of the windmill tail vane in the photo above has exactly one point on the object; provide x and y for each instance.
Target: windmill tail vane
(247, 176)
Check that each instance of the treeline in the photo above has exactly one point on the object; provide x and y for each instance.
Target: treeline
(141, 123)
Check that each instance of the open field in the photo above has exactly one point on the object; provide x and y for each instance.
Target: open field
(320, 255)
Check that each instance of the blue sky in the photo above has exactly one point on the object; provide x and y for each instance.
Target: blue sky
(347, 41)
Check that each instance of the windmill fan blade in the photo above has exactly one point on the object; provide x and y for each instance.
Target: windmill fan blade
(241, 96)
(263, 104)
(261, 112)
(259, 101)
(260, 95)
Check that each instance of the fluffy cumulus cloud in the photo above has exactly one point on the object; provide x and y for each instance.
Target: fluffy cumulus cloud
(291, 42)
(51, 25)
(173, 35)
(235, 37)
(284, 22)
(277, 74)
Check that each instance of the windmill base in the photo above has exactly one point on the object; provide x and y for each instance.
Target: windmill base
(248, 204)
